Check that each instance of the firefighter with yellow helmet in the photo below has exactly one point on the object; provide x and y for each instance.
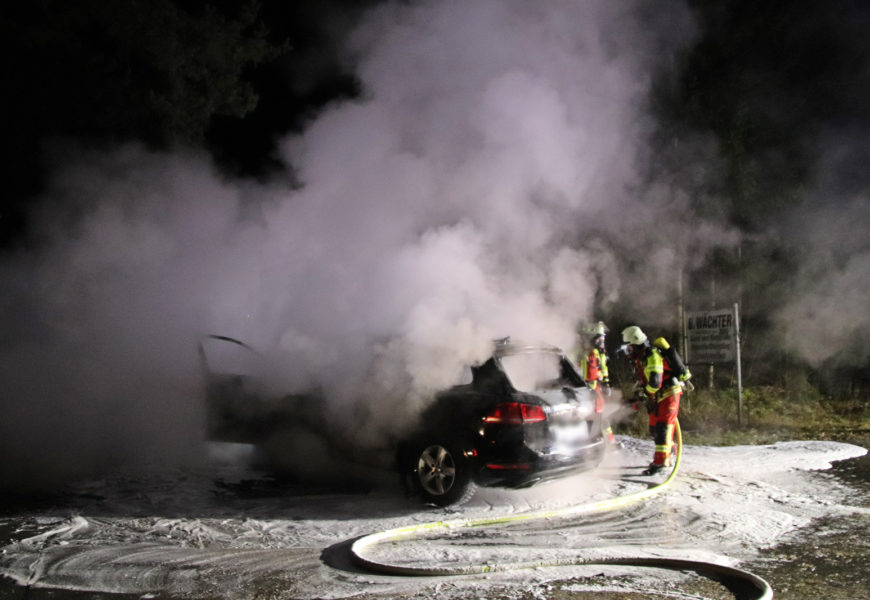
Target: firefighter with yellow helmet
(660, 383)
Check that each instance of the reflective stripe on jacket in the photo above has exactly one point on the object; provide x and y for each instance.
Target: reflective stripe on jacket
(594, 366)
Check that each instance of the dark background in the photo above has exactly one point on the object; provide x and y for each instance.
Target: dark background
(782, 88)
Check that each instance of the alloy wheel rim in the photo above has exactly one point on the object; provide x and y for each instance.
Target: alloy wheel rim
(436, 470)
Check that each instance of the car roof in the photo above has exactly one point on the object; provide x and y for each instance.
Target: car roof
(508, 348)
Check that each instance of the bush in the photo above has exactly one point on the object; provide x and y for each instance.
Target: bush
(770, 414)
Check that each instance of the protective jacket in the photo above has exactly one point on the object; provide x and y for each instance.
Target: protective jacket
(594, 367)
(654, 373)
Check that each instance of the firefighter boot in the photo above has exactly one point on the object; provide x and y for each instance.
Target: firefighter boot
(652, 469)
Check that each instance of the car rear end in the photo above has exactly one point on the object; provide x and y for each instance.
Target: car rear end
(529, 440)
(549, 431)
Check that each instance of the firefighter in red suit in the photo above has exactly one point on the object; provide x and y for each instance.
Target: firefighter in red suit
(660, 388)
(593, 366)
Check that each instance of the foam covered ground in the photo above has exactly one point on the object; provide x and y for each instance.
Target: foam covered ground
(225, 529)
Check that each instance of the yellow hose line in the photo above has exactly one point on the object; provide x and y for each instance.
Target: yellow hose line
(421, 530)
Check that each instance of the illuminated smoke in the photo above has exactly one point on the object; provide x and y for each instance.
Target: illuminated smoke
(467, 195)
(826, 314)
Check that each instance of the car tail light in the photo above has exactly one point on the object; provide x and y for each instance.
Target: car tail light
(508, 467)
(515, 413)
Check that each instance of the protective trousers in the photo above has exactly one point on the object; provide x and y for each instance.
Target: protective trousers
(599, 408)
(661, 426)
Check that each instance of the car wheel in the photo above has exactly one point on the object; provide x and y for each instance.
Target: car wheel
(442, 475)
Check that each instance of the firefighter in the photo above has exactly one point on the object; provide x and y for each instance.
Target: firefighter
(593, 366)
(660, 388)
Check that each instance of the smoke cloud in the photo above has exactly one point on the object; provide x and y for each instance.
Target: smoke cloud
(468, 195)
(825, 316)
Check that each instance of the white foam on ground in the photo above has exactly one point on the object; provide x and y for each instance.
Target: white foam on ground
(205, 534)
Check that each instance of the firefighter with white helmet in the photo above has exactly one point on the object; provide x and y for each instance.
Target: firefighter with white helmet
(593, 366)
(659, 386)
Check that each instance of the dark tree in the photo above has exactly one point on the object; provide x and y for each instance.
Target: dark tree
(782, 89)
(768, 79)
(157, 71)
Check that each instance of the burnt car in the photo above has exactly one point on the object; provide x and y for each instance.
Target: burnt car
(525, 417)
(521, 417)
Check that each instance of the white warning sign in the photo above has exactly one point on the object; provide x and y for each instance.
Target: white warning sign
(711, 336)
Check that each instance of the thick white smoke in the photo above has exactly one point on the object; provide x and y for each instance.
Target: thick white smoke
(450, 205)
(826, 315)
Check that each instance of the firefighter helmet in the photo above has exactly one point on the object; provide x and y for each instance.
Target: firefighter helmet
(598, 328)
(633, 335)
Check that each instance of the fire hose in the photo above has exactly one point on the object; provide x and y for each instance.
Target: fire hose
(359, 547)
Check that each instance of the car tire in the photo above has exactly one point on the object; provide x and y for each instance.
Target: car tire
(442, 475)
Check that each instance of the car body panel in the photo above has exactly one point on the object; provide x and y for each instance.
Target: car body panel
(565, 437)
(510, 454)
